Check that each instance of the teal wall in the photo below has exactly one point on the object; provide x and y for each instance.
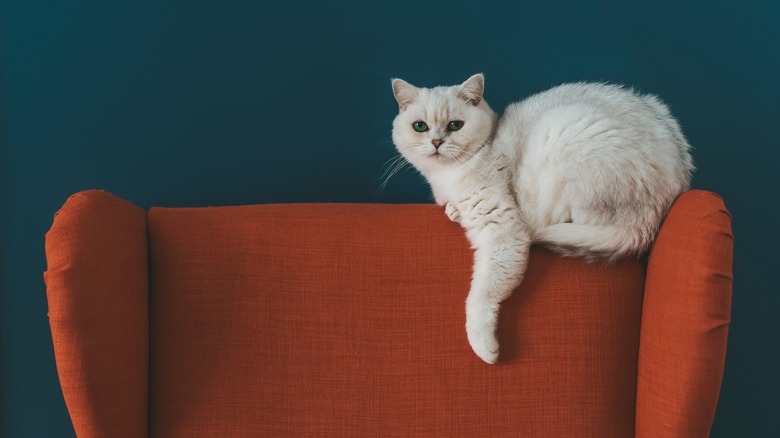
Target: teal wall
(194, 103)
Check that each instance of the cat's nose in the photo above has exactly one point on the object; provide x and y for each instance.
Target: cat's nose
(437, 142)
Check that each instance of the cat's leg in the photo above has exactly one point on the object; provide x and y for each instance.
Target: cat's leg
(500, 261)
(452, 212)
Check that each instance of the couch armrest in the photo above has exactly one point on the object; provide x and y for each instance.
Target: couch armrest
(685, 319)
(97, 286)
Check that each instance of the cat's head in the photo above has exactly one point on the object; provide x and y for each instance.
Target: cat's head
(441, 126)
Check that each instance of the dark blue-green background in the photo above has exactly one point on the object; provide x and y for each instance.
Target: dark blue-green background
(194, 103)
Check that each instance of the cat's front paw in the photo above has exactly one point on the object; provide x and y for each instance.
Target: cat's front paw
(481, 324)
(452, 212)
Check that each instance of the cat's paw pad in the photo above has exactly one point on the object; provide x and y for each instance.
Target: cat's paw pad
(452, 212)
(481, 331)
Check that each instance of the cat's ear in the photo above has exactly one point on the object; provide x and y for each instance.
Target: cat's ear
(405, 93)
(472, 90)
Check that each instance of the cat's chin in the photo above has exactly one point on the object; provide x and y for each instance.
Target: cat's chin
(454, 159)
(437, 161)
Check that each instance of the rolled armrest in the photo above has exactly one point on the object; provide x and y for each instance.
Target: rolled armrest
(685, 319)
(97, 287)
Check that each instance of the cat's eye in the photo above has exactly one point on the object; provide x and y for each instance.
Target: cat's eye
(420, 126)
(454, 125)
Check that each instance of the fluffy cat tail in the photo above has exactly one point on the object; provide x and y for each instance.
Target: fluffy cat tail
(593, 242)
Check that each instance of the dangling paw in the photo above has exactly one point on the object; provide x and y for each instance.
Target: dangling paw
(481, 324)
(452, 213)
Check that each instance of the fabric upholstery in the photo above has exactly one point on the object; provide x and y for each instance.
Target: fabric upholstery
(97, 287)
(686, 315)
(348, 320)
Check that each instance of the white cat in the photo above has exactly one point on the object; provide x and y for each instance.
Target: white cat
(586, 169)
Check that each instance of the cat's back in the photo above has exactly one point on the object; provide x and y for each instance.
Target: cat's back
(609, 101)
(582, 146)
(595, 94)
(583, 111)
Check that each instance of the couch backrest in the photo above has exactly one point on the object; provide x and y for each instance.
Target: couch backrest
(348, 320)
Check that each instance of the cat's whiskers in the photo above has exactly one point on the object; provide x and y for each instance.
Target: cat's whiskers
(396, 164)
(389, 164)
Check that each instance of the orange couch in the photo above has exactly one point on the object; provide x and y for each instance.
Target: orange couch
(348, 320)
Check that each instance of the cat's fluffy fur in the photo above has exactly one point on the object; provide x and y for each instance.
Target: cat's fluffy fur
(586, 169)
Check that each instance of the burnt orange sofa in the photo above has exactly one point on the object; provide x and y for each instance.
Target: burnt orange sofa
(347, 320)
